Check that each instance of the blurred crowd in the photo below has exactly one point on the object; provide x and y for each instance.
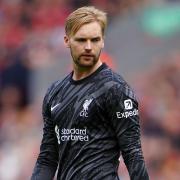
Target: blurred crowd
(31, 33)
(160, 111)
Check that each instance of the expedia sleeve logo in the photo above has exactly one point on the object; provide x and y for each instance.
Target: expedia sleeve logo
(128, 104)
(129, 111)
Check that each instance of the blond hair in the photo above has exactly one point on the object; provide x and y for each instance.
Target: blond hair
(84, 15)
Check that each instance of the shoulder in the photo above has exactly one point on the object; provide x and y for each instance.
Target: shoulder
(118, 86)
(55, 87)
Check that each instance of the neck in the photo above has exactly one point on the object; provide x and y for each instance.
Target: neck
(82, 72)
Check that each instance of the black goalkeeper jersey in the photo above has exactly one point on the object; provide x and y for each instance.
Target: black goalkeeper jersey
(88, 124)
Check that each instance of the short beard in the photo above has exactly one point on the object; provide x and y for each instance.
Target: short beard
(84, 66)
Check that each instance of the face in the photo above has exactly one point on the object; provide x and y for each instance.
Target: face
(85, 45)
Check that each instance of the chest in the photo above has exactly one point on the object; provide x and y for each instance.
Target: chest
(77, 107)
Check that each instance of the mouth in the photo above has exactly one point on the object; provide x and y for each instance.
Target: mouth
(87, 55)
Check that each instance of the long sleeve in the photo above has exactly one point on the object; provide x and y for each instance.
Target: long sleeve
(125, 120)
(47, 160)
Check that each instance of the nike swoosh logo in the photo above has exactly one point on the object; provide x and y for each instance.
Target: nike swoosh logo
(52, 108)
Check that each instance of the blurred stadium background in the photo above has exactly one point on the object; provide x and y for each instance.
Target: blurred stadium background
(142, 44)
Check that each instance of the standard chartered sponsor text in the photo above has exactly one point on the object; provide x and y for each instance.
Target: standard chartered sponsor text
(73, 135)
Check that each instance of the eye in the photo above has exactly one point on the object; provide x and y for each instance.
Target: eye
(81, 40)
(96, 39)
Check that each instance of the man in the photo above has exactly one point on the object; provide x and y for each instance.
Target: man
(91, 116)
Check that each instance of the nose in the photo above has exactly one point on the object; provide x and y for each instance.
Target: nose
(88, 46)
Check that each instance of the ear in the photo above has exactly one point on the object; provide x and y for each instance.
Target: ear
(66, 41)
(102, 43)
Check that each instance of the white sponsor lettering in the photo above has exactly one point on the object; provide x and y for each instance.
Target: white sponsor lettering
(74, 138)
(73, 131)
(127, 114)
(71, 134)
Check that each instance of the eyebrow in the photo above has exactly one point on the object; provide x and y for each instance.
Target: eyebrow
(96, 37)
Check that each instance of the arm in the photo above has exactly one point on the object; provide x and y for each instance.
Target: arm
(125, 121)
(47, 161)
